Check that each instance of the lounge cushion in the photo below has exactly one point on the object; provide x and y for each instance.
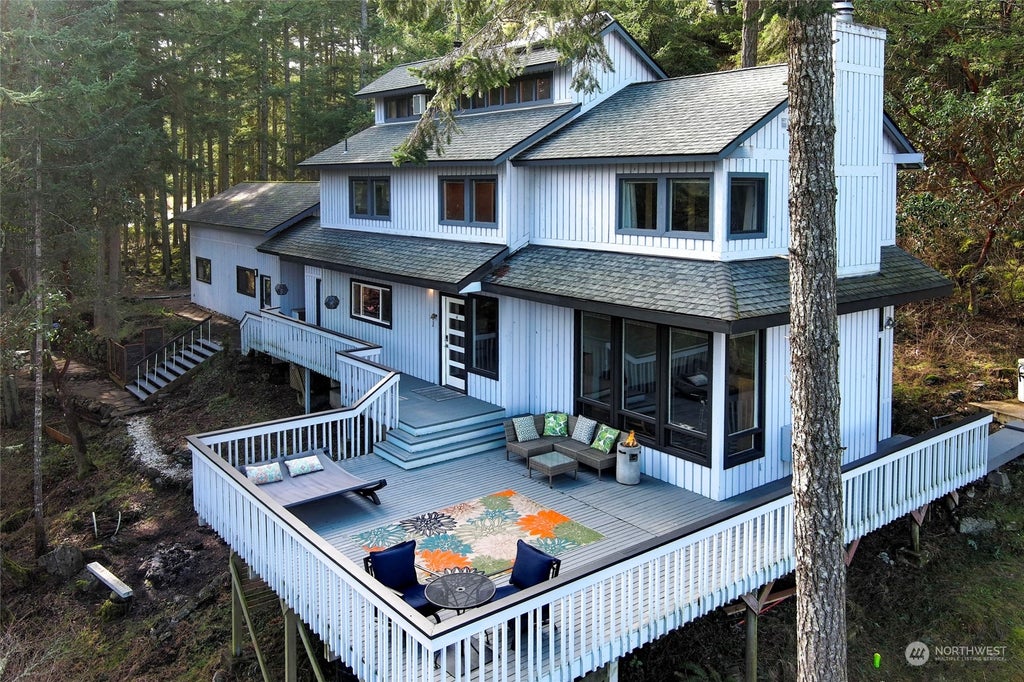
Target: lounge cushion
(538, 446)
(525, 428)
(605, 438)
(556, 424)
(264, 473)
(303, 465)
(584, 431)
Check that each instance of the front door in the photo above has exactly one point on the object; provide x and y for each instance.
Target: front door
(453, 342)
(265, 291)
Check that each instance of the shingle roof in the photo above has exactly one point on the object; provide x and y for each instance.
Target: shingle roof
(690, 116)
(256, 206)
(484, 138)
(435, 263)
(721, 296)
(400, 78)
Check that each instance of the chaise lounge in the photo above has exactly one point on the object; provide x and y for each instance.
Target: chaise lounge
(580, 438)
(308, 476)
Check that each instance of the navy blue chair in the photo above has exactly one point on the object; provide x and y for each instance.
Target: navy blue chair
(395, 568)
(531, 567)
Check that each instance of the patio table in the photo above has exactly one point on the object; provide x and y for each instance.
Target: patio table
(552, 464)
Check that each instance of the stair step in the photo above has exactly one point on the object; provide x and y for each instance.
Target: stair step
(209, 344)
(168, 372)
(413, 442)
(136, 391)
(394, 452)
(442, 425)
(186, 354)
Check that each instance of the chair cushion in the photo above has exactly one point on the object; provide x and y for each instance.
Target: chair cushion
(415, 596)
(556, 424)
(395, 566)
(531, 566)
(537, 446)
(504, 591)
(584, 431)
(605, 438)
(525, 428)
(265, 473)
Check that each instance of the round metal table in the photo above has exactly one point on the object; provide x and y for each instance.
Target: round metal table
(459, 590)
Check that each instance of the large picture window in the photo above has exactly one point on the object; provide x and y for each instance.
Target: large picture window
(657, 381)
(484, 340)
(471, 201)
(679, 206)
(747, 212)
(370, 198)
(245, 281)
(204, 270)
(371, 303)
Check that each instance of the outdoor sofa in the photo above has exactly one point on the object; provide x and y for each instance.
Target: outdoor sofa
(579, 445)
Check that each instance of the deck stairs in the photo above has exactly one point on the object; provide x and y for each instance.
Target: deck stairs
(168, 367)
(412, 445)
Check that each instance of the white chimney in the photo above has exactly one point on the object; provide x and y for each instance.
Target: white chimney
(843, 10)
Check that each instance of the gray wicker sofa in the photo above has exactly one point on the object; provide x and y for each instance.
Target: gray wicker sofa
(566, 445)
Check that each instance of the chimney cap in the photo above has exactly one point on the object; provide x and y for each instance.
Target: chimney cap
(843, 10)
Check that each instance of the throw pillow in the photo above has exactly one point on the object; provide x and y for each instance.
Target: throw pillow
(303, 465)
(525, 428)
(584, 431)
(605, 439)
(266, 473)
(556, 424)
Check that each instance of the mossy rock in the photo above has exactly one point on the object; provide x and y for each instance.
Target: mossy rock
(113, 609)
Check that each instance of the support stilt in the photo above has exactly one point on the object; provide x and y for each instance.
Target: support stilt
(291, 669)
(850, 551)
(750, 656)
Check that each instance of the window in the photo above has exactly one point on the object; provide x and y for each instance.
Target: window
(484, 342)
(370, 198)
(656, 380)
(245, 281)
(371, 303)
(673, 205)
(398, 107)
(747, 216)
(204, 270)
(525, 90)
(469, 200)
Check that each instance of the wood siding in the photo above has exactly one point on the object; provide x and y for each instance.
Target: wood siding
(228, 249)
(628, 67)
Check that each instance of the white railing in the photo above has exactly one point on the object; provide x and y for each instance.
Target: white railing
(596, 613)
(342, 358)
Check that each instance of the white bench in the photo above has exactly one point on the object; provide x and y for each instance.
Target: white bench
(116, 585)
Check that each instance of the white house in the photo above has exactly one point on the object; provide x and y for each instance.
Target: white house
(621, 255)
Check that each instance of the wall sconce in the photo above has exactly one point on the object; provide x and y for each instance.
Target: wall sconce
(889, 323)
(281, 289)
(331, 302)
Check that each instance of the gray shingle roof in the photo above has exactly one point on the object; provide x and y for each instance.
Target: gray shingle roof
(434, 263)
(256, 206)
(720, 296)
(690, 116)
(484, 138)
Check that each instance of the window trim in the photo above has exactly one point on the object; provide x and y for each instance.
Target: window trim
(663, 208)
(484, 101)
(762, 207)
(757, 431)
(371, 197)
(239, 270)
(209, 270)
(379, 321)
(471, 365)
(468, 199)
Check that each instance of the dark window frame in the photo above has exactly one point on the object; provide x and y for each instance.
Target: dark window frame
(663, 205)
(245, 280)
(204, 265)
(756, 451)
(468, 183)
(384, 318)
(512, 95)
(761, 188)
(371, 182)
(474, 362)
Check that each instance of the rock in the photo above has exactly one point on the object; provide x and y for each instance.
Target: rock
(972, 526)
(168, 564)
(65, 561)
(955, 396)
(999, 481)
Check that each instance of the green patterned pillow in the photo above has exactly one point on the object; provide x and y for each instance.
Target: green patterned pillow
(526, 430)
(267, 473)
(556, 424)
(605, 439)
(303, 465)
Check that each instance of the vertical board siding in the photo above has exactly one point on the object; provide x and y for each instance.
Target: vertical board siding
(536, 356)
(627, 67)
(885, 367)
(858, 383)
(226, 250)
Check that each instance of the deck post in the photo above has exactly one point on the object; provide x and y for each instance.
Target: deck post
(750, 654)
(306, 391)
(236, 611)
(290, 630)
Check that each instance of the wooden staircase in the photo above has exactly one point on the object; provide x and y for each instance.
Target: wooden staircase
(169, 364)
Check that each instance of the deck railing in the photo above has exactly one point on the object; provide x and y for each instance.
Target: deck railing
(197, 333)
(596, 613)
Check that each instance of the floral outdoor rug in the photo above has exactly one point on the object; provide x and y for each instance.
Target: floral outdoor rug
(481, 534)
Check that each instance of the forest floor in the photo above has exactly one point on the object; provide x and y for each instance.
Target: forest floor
(966, 590)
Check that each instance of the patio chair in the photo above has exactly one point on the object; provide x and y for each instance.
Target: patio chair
(395, 568)
(531, 567)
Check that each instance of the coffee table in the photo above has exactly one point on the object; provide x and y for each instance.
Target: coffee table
(553, 463)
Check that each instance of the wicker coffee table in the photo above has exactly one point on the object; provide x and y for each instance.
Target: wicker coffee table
(553, 463)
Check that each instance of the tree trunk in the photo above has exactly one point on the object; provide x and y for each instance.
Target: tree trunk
(751, 28)
(38, 521)
(71, 420)
(814, 341)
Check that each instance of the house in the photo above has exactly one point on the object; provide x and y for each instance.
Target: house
(620, 255)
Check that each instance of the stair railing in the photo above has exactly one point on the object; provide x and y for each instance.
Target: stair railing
(200, 331)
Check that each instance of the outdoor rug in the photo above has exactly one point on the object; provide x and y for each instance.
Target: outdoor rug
(481, 534)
